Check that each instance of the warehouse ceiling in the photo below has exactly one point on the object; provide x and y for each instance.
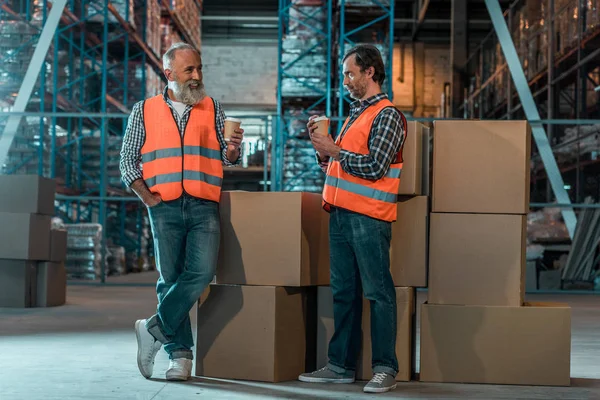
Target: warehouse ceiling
(255, 21)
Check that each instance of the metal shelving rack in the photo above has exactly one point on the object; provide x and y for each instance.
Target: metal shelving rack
(340, 26)
(558, 43)
(103, 58)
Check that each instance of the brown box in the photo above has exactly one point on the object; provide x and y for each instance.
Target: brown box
(28, 237)
(51, 286)
(481, 167)
(528, 345)
(477, 259)
(58, 245)
(253, 333)
(405, 311)
(273, 238)
(416, 160)
(29, 194)
(17, 283)
(408, 250)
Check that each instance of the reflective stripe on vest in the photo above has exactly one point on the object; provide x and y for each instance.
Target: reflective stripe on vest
(374, 198)
(173, 164)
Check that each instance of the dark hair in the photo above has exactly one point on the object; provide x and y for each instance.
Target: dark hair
(368, 56)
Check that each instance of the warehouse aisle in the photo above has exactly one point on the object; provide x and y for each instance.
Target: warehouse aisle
(86, 350)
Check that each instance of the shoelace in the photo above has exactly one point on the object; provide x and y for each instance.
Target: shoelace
(378, 377)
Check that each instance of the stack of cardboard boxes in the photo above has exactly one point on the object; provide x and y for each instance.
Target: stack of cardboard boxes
(476, 326)
(32, 255)
(257, 321)
(408, 262)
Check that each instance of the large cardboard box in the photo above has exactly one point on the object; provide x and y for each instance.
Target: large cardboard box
(414, 178)
(30, 194)
(17, 283)
(405, 312)
(477, 259)
(273, 238)
(253, 333)
(528, 345)
(28, 237)
(58, 245)
(408, 250)
(481, 167)
(51, 286)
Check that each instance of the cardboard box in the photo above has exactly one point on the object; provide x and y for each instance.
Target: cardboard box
(477, 259)
(17, 283)
(408, 250)
(414, 177)
(481, 167)
(528, 345)
(28, 237)
(29, 194)
(273, 238)
(405, 312)
(253, 333)
(58, 245)
(51, 286)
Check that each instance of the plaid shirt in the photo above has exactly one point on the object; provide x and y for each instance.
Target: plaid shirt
(135, 137)
(386, 136)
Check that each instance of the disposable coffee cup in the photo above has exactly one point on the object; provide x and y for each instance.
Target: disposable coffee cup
(231, 124)
(322, 126)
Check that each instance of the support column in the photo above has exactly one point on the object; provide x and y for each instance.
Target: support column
(458, 53)
(419, 82)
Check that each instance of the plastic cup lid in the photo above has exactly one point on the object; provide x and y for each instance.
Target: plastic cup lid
(322, 118)
(233, 120)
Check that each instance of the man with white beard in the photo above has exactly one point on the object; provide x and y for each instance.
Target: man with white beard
(178, 139)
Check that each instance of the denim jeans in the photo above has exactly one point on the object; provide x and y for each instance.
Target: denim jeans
(360, 261)
(186, 235)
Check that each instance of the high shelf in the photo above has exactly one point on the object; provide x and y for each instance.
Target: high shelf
(558, 43)
(314, 35)
(105, 56)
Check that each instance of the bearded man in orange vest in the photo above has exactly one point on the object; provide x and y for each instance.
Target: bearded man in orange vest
(363, 168)
(172, 158)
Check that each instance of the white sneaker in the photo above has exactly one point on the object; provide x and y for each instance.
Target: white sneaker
(180, 369)
(148, 346)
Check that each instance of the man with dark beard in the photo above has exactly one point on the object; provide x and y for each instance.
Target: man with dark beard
(361, 187)
(178, 138)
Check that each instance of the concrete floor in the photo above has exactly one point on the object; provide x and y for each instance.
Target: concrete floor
(86, 350)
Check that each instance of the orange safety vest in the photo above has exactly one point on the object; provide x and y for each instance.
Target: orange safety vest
(172, 164)
(376, 199)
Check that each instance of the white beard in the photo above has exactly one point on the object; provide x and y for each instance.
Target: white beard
(185, 94)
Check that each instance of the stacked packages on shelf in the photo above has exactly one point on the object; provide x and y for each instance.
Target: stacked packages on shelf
(168, 35)
(32, 252)
(24, 153)
(125, 8)
(149, 11)
(136, 238)
(84, 251)
(89, 159)
(188, 13)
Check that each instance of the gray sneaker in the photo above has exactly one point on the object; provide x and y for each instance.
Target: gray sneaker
(325, 375)
(380, 383)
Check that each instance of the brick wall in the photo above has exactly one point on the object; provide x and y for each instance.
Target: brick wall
(436, 61)
(241, 76)
(246, 76)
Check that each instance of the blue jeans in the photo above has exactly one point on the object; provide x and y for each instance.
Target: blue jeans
(360, 261)
(186, 235)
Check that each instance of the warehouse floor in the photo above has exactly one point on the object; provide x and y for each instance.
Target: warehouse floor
(86, 350)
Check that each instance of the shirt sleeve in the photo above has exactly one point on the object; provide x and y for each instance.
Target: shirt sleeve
(221, 136)
(133, 140)
(323, 163)
(386, 136)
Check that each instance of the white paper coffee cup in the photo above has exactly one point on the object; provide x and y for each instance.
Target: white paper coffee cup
(231, 124)
(322, 125)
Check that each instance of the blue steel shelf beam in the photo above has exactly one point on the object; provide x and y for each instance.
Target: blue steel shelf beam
(319, 97)
(531, 112)
(346, 37)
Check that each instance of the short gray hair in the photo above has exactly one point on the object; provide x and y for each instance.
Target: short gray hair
(169, 56)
